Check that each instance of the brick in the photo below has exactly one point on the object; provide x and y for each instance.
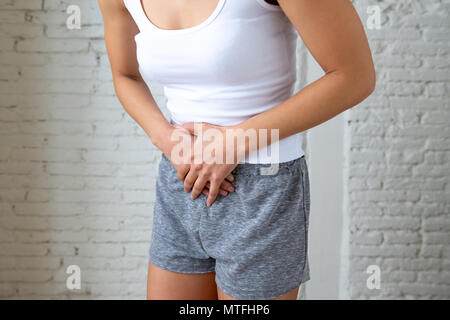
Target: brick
(23, 250)
(404, 237)
(21, 30)
(87, 31)
(52, 45)
(21, 5)
(100, 250)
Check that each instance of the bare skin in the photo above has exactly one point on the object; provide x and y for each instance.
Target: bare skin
(333, 33)
(165, 285)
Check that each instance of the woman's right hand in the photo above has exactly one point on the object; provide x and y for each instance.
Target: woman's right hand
(173, 140)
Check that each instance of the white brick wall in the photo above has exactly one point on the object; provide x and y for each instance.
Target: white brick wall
(77, 174)
(399, 158)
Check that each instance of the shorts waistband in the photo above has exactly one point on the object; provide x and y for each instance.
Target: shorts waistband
(254, 169)
(292, 166)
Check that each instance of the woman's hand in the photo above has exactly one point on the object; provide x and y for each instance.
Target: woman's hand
(183, 167)
(209, 166)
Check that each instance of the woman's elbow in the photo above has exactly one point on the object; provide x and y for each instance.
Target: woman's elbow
(371, 82)
(358, 81)
(362, 82)
(368, 81)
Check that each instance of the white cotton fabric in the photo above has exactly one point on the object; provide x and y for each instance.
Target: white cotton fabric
(237, 63)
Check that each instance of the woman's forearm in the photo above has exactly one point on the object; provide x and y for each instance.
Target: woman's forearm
(139, 103)
(335, 36)
(317, 103)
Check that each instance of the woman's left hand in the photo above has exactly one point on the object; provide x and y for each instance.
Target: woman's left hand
(209, 165)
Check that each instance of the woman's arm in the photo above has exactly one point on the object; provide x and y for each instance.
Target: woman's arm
(333, 33)
(130, 88)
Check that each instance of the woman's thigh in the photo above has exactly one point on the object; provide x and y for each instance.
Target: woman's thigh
(291, 295)
(168, 285)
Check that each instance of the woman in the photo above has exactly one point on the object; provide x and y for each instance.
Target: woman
(229, 229)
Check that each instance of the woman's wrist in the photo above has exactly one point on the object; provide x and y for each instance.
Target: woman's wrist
(241, 143)
(160, 135)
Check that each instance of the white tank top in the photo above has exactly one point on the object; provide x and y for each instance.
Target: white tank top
(237, 63)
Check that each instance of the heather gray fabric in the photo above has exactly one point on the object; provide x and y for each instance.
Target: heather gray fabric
(255, 239)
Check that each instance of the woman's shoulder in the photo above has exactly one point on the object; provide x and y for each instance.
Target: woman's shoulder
(112, 4)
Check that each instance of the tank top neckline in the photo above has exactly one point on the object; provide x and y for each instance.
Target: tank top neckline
(203, 24)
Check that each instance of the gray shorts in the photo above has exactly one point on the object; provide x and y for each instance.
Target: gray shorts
(255, 239)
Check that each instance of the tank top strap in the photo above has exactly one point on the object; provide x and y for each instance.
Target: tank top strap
(137, 12)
